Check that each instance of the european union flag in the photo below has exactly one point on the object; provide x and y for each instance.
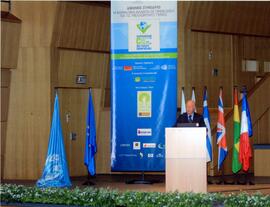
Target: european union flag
(90, 142)
(55, 172)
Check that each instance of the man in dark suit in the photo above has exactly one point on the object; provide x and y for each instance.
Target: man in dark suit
(191, 116)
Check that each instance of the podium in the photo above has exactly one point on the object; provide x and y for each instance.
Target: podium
(186, 159)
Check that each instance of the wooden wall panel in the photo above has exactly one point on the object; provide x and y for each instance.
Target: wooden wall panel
(10, 37)
(72, 63)
(198, 66)
(183, 8)
(84, 27)
(246, 18)
(263, 124)
(5, 89)
(30, 106)
(103, 142)
(251, 48)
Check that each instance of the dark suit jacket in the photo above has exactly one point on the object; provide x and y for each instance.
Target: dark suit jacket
(197, 118)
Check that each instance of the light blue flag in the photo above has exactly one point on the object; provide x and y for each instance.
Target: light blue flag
(206, 117)
(55, 172)
(183, 103)
(90, 142)
(193, 97)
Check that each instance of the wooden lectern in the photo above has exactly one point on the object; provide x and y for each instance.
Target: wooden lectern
(186, 159)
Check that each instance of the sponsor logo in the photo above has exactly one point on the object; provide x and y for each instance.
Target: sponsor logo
(161, 146)
(159, 155)
(124, 145)
(144, 104)
(127, 68)
(141, 155)
(136, 145)
(149, 145)
(144, 132)
(150, 155)
(137, 79)
(164, 67)
(127, 155)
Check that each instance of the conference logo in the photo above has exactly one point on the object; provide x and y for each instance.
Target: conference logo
(143, 36)
(144, 132)
(144, 104)
(143, 26)
(149, 145)
(136, 145)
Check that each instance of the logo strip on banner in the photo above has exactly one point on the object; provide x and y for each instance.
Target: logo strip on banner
(143, 82)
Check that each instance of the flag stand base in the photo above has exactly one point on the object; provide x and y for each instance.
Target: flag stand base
(88, 182)
(142, 181)
(222, 180)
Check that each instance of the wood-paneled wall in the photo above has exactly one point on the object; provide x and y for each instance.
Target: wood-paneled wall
(29, 105)
(72, 63)
(10, 37)
(81, 47)
(246, 18)
(5, 90)
(83, 26)
(205, 52)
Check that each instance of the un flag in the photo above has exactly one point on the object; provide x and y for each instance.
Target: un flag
(55, 172)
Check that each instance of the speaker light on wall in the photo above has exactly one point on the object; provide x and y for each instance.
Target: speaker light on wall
(81, 79)
(250, 65)
(266, 66)
(215, 72)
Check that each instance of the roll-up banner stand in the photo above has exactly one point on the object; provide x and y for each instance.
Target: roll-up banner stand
(143, 82)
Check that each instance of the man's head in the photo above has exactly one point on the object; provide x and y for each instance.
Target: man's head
(190, 107)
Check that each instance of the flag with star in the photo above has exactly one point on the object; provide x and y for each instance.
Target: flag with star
(90, 138)
(236, 165)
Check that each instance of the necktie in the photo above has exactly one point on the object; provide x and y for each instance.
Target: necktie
(189, 119)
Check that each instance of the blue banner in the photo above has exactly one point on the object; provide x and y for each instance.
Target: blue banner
(143, 82)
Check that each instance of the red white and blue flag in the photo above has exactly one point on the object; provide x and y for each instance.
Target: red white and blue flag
(246, 132)
(221, 132)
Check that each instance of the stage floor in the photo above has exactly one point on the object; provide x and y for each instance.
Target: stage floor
(118, 182)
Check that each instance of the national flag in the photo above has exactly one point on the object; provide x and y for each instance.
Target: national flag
(55, 172)
(236, 165)
(193, 98)
(183, 102)
(90, 138)
(206, 117)
(246, 132)
(221, 132)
